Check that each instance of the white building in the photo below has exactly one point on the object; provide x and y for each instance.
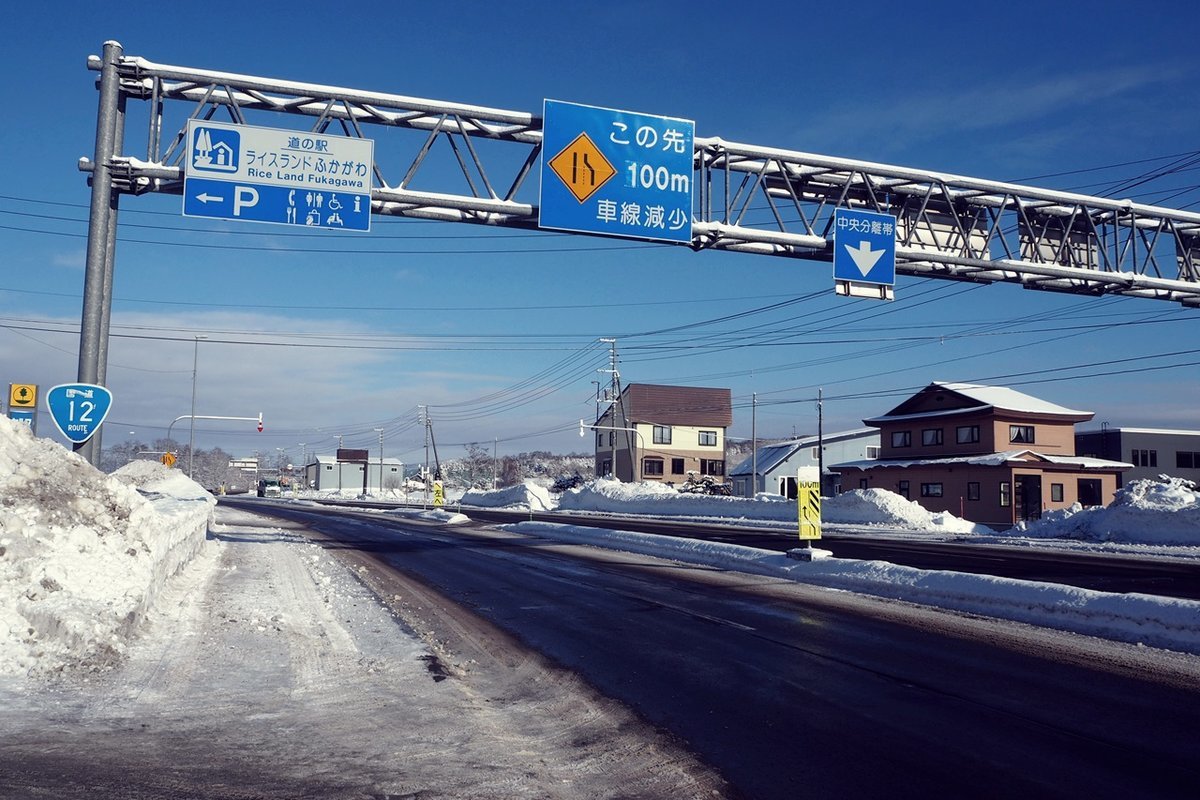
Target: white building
(777, 463)
(326, 473)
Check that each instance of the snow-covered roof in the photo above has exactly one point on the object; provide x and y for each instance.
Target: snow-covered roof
(988, 397)
(772, 455)
(769, 458)
(987, 460)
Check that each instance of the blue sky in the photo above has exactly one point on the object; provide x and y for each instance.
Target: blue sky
(497, 331)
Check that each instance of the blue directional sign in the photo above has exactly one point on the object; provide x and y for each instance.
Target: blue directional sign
(616, 173)
(78, 409)
(287, 177)
(864, 247)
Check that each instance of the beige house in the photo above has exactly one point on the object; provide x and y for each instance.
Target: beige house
(988, 454)
(661, 433)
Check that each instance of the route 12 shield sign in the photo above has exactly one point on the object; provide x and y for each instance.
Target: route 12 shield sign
(78, 409)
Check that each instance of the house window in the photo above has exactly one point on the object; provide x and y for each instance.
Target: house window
(872, 451)
(931, 436)
(1090, 492)
(708, 438)
(862, 483)
(676, 466)
(816, 453)
(1145, 458)
(1020, 434)
(652, 466)
(931, 490)
(1186, 459)
(972, 490)
(599, 440)
(1056, 492)
(662, 434)
(606, 467)
(901, 438)
(712, 466)
(902, 489)
(1005, 494)
(967, 434)
(329, 467)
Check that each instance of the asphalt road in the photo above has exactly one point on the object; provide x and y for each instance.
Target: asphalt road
(791, 691)
(1100, 571)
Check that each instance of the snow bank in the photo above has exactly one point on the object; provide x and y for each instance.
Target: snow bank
(1137, 618)
(527, 495)
(1162, 512)
(83, 554)
(881, 507)
(860, 507)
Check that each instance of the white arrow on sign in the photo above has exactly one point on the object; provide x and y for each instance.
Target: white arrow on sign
(209, 198)
(864, 257)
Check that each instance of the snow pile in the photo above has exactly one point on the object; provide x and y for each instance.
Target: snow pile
(881, 507)
(1162, 512)
(83, 554)
(860, 507)
(614, 497)
(526, 495)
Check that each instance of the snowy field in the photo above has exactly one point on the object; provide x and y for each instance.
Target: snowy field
(83, 555)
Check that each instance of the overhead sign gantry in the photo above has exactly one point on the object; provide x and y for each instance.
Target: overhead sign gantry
(457, 162)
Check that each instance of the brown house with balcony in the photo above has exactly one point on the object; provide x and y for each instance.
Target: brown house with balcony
(988, 454)
(662, 433)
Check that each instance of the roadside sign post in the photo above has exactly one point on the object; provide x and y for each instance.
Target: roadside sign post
(808, 509)
(347, 455)
(22, 404)
(616, 173)
(286, 177)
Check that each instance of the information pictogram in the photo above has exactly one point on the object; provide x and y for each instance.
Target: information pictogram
(582, 167)
(22, 395)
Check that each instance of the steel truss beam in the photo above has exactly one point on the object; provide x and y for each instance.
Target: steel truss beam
(749, 199)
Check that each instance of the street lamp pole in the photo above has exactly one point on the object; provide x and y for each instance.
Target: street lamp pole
(192, 429)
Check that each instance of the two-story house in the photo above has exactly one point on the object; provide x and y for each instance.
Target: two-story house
(661, 433)
(988, 454)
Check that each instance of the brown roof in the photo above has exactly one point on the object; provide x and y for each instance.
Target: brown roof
(678, 405)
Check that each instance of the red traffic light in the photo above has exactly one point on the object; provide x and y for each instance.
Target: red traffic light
(260, 427)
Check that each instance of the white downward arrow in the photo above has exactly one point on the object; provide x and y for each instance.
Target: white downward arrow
(864, 257)
(207, 198)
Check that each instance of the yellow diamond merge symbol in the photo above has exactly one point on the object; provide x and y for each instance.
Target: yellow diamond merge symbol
(582, 167)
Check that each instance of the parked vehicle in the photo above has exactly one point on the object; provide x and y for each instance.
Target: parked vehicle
(567, 482)
(705, 484)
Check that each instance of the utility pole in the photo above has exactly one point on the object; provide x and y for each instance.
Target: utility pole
(820, 444)
(495, 445)
(754, 442)
(380, 432)
(614, 398)
(423, 417)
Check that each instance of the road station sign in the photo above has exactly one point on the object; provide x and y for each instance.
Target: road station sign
(287, 177)
(78, 409)
(28, 417)
(616, 173)
(864, 247)
(22, 395)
